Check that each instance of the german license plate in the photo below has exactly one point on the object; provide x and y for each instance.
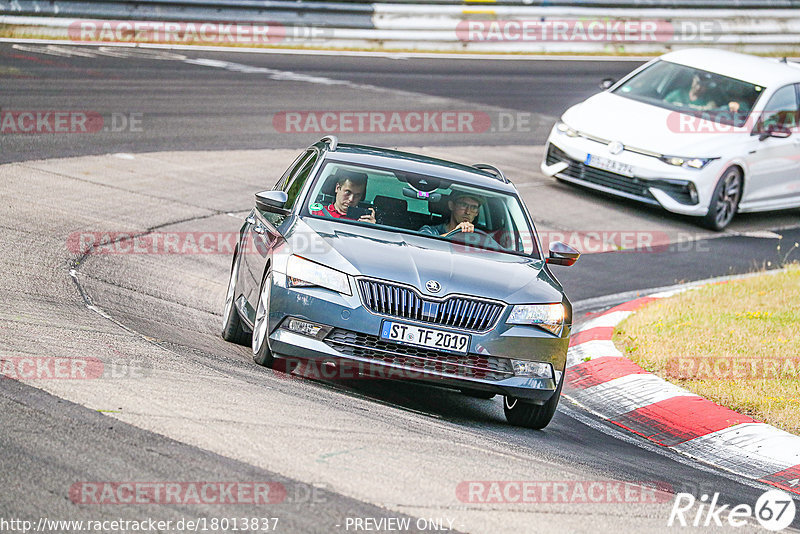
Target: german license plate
(425, 337)
(609, 165)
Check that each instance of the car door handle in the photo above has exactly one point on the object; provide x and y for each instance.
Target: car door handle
(250, 220)
(259, 229)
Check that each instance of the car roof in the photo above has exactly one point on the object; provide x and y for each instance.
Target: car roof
(415, 163)
(767, 72)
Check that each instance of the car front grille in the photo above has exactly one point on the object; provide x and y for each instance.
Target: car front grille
(419, 359)
(405, 303)
(632, 186)
(612, 180)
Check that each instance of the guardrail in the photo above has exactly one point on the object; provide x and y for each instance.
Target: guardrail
(501, 27)
(535, 29)
(323, 14)
(636, 4)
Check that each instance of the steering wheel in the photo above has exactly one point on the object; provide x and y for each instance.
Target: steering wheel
(458, 230)
(487, 238)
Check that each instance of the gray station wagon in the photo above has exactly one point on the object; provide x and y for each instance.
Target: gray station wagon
(403, 266)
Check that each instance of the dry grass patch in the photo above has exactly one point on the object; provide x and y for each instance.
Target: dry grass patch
(737, 344)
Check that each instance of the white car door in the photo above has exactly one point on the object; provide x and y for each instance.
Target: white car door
(774, 161)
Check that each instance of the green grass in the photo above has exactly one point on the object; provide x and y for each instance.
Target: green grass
(736, 343)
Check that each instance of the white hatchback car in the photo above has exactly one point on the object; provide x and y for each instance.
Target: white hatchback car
(700, 132)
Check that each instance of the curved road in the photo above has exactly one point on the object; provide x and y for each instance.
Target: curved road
(178, 404)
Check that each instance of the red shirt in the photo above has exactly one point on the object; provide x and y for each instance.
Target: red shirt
(331, 211)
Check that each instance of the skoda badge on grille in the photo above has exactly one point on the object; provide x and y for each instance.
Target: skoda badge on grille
(433, 286)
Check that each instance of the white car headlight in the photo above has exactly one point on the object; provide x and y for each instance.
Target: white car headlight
(694, 163)
(562, 127)
(301, 272)
(547, 316)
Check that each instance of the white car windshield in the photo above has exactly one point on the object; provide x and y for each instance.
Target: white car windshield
(693, 91)
(423, 205)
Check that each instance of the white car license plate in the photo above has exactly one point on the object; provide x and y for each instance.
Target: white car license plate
(425, 337)
(609, 165)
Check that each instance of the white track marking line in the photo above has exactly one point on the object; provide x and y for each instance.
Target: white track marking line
(606, 320)
(748, 441)
(597, 348)
(627, 393)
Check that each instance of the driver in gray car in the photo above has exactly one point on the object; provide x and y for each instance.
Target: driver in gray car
(464, 207)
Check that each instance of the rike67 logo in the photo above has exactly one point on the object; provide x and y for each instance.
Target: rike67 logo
(774, 510)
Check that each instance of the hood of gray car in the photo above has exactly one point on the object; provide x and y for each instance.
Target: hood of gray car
(414, 260)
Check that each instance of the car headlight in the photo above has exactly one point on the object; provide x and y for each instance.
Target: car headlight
(694, 163)
(301, 272)
(547, 316)
(562, 127)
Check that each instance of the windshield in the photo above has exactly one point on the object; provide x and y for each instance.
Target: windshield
(693, 92)
(423, 205)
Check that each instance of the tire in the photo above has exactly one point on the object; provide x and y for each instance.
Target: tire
(725, 200)
(262, 354)
(232, 329)
(477, 393)
(519, 413)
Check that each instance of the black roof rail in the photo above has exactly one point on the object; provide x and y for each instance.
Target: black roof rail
(332, 141)
(492, 170)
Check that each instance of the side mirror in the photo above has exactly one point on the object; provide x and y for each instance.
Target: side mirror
(605, 83)
(562, 254)
(271, 201)
(780, 133)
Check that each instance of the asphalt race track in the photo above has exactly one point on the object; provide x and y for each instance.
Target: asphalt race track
(185, 140)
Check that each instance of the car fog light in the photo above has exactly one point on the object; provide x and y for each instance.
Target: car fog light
(532, 369)
(306, 328)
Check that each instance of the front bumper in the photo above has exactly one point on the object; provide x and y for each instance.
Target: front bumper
(353, 338)
(654, 182)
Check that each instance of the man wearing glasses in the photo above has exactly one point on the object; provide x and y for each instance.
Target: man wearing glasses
(464, 207)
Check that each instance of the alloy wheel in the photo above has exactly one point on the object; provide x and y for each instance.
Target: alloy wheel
(262, 316)
(231, 290)
(728, 198)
